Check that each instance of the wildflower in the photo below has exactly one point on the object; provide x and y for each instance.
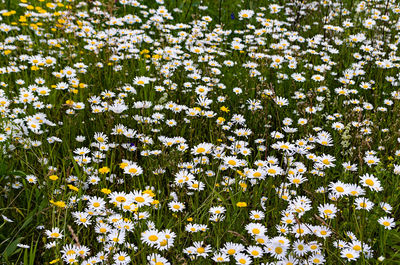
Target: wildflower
(371, 182)
(363, 203)
(350, 254)
(241, 204)
(220, 257)
(255, 229)
(53, 177)
(176, 206)
(224, 109)
(327, 211)
(54, 233)
(104, 170)
(242, 259)
(121, 258)
(387, 222)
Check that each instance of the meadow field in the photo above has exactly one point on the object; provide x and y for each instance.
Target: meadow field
(168, 132)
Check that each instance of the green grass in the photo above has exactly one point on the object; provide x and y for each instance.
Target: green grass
(34, 208)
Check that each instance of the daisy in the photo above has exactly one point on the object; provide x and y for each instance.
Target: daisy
(118, 198)
(220, 257)
(121, 258)
(387, 222)
(371, 160)
(201, 250)
(141, 81)
(327, 211)
(245, 14)
(349, 254)
(255, 251)
(282, 229)
(349, 167)
(203, 148)
(371, 182)
(242, 259)
(255, 229)
(231, 161)
(355, 190)
(102, 228)
(363, 203)
(280, 101)
(231, 248)
(296, 179)
(176, 206)
(31, 179)
(54, 233)
(151, 237)
(133, 169)
(83, 251)
(277, 250)
(322, 231)
(326, 160)
(157, 259)
(70, 259)
(386, 207)
(69, 249)
(217, 210)
(300, 248)
(316, 259)
(96, 203)
(300, 230)
(141, 199)
(356, 245)
(116, 237)
(256, 215)
(273, 170)
(339, 188)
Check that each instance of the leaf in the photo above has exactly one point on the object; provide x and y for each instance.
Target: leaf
(12, 247)
(18, 173)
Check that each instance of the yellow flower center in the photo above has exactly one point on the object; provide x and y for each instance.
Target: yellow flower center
(339, 189)
(139, 199)
(278, 250)
(232, 162)
(231, 251)
(200, 250)
(120, 199)
(200, 150)
(257, 174)
(254, 253)
(369, 182)
(326, 161)
(153, 238)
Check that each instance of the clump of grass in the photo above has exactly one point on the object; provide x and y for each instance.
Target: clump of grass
(199, 132)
